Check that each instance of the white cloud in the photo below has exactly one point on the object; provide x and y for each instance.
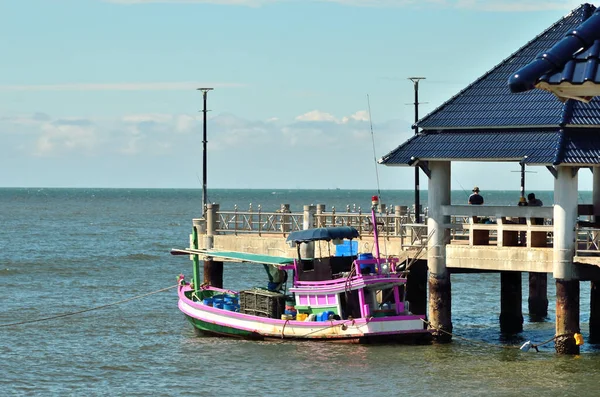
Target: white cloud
(153, 117)
(361, 115)
(169, 86)
(316, 115)
(130, 149)
(483, 5)
(65, 135)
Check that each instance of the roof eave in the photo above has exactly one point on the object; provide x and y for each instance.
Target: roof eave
(564, 91)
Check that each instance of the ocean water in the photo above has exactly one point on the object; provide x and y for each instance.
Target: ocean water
(69, 250)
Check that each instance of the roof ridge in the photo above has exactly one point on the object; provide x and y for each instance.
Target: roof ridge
(501, 63)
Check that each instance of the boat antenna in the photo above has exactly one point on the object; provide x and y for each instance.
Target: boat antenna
(373, 217)
(373, 143)
(204, 141)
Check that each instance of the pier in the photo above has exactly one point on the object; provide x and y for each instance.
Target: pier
(465, 239)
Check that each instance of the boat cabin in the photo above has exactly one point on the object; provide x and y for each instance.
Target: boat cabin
(342, 287)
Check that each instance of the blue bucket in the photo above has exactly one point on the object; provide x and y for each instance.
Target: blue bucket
(229, 307)
(208, 301)
(218, 302)
(324, 316)
(365, 256)
(230, 300)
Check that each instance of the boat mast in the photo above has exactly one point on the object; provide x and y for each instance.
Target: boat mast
(204, 141)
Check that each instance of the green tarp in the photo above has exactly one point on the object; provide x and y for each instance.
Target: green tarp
(241, 256)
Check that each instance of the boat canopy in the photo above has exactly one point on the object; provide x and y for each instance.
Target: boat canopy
(237, 256)
(323, 233)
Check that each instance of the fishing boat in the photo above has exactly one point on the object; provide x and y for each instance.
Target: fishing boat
(352, 297)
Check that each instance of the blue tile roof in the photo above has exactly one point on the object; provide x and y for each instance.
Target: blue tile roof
(581, 146)
(489, 103)
(540, 146)
(486, 121)
(572, 60)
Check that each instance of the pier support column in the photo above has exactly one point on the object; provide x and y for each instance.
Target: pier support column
(213, 270)
(538, 296)
(440, 291)
(511, 315)
(416, 287)
(594, 312)
(596, 193)
(595, 284)
(567, 316)
(567, 284)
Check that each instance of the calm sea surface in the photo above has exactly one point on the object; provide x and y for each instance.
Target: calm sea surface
(66, 250)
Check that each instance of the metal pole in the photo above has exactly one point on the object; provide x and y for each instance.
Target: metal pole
(415, 81)
(522, 179)
(204, 141)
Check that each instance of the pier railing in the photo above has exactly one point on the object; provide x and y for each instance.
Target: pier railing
(398, 224)
(503, 226)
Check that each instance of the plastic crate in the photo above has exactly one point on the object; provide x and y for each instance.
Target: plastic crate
(262, 303)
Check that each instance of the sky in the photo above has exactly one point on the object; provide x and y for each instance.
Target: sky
(102, 93)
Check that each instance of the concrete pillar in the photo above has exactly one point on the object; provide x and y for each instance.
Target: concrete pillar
(213, 270)
(307, 250)
(595, 285)
(567, 284)
(286, 220)
(596, 192)
(595, 312)
(440, 305)
(538, 296)
(567, 316)
(511, 316)
(319, 215)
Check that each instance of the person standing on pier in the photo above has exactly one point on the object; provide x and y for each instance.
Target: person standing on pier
(475, 198)
(535, 202)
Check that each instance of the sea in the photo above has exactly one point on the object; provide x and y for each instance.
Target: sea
(104, 254)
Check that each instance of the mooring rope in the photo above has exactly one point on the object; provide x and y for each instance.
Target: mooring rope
(89, 309)
(528, 343)
(330, 326)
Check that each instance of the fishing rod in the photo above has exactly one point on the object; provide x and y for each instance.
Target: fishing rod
(463, 189)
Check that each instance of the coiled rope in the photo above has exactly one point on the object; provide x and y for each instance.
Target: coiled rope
(89, 309)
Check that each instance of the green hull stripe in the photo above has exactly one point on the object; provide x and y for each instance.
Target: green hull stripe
(217, 329)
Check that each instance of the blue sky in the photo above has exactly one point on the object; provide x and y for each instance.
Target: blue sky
(101, 93)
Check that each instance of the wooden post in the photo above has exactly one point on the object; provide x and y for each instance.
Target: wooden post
(567, 284)
(440, 296)
(511, 316)
(213, 270)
